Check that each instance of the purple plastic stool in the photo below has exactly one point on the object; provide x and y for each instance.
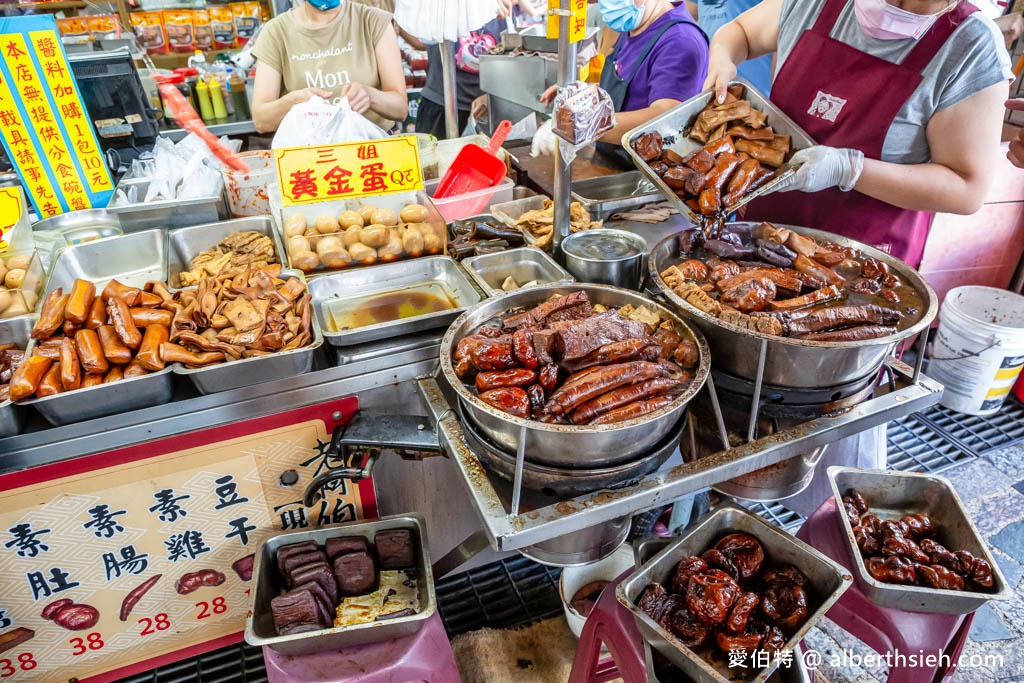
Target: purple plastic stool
(424, 656)
(883, 629)
(612, 625)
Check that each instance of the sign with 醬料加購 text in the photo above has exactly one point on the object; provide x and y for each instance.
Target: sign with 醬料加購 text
(44, 125)
(577, 19)
(347, 170)
(140, 556)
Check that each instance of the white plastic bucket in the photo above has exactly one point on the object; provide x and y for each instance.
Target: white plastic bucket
(247, 190)
(979, 348)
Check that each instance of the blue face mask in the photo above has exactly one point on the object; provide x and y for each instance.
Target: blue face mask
(324, 5)
(621, 16)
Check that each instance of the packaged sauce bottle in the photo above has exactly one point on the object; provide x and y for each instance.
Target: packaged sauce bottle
(203, 97)
(236, 86)
(220, 112)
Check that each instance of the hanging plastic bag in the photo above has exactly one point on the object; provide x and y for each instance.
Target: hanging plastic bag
(582, 112)
(319, 122)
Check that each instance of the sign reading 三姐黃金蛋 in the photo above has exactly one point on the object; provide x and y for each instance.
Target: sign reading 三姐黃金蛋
(347, 170)
(44, 125)
(139, 556)
(577, 19)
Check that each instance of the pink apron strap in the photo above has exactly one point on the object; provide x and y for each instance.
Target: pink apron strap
(937, 36)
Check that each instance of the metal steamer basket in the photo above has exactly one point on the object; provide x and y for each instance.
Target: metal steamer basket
(795, 363)
(891, 495)
(559, 445)
(828, 579)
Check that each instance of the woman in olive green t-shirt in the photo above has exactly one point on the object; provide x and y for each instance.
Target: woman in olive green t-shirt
(330, 48)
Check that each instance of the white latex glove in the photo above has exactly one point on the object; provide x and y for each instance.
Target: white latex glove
(543, 141)
(824, 167)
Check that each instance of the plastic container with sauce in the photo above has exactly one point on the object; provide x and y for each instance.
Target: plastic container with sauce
(247, 191)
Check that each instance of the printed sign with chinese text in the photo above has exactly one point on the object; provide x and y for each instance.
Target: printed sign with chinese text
(46, 130)
(577, 19)
(11, 211)
(348, 170)
(150, 553)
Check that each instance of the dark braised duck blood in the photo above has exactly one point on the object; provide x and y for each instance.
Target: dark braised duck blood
(296, 612)
(710, 595)
(648, 146)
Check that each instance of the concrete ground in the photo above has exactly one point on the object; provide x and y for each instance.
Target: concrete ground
(992, 488)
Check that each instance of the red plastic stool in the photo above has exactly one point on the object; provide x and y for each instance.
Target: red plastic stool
(612, 625)
(424, 656)
(883, 629)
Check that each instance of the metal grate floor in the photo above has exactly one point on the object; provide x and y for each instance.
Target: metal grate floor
(518, 591)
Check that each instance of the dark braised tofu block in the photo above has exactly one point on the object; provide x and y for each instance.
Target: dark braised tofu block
(395, 549)
(286, 551)
(296, 612)
(356, 574)
(320, 574)
(345, 545)
(296, 560)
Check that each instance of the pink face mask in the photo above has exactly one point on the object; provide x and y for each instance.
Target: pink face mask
(881, 20)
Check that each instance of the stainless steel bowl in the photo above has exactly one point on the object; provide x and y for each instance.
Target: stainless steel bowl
(79, 227)
(796, 363)
(606, 257)
(581, 547)
(560, 445)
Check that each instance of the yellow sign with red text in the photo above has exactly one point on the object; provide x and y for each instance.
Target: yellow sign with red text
(348, 170)
(11, 211)
(577, 19)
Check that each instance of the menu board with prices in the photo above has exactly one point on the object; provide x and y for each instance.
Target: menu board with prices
(118, 562)
(348, 170)
(45, 128)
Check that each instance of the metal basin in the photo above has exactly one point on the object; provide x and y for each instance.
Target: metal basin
(581, 547)
(796, 363)
(559, 445)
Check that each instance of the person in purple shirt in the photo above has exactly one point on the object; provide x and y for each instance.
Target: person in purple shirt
(659, 60)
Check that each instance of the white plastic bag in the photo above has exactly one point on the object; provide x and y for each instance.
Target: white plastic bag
(319, 122)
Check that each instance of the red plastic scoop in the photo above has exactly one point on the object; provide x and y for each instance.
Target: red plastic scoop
(474, 169)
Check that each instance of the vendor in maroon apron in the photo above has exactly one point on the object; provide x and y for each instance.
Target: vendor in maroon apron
(887, 88)
(660, 59)
(835, 92)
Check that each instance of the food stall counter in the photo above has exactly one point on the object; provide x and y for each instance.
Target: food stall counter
(540, 171)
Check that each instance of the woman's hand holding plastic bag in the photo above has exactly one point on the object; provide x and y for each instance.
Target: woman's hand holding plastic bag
(319, 122)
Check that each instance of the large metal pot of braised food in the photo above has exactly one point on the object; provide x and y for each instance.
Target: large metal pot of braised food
(587, 375)
(830, 308)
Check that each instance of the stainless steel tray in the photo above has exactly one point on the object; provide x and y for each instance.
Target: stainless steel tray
(523, 264)
(167, 213)
(890, 495)
(259, 625)
(674, 123)
(132, 259)
(245, 372)
(607, 195)
(363, 282)
(184, 244)
(534, 39)
(17, 331)
(124, 395)
(828, 580)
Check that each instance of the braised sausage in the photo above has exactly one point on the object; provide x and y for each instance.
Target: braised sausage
(173, 353)
(819, 296)
(144, 317)
(134, 369)
(149, 351)
(90, 351)
(113, 350)
(121, 318)
(97, 314)
(115, 373)
(522, 347)
(615, 352)
(116, 290)
(494, 379)
(70, 368)
(512, 400)
(51, 315)
(818, 271)
(548, 378)
(851, 334)
(27, 376)
(620, 397)
(634, 410)
(80, 301)
(603, 380)
(49, 385)
(92, 379)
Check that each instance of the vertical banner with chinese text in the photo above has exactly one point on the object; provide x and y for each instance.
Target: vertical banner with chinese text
(104, 545)
(45, 128)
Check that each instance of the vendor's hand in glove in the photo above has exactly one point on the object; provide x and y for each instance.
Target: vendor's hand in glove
(823, 167)
(543, 141)
(358, 97)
